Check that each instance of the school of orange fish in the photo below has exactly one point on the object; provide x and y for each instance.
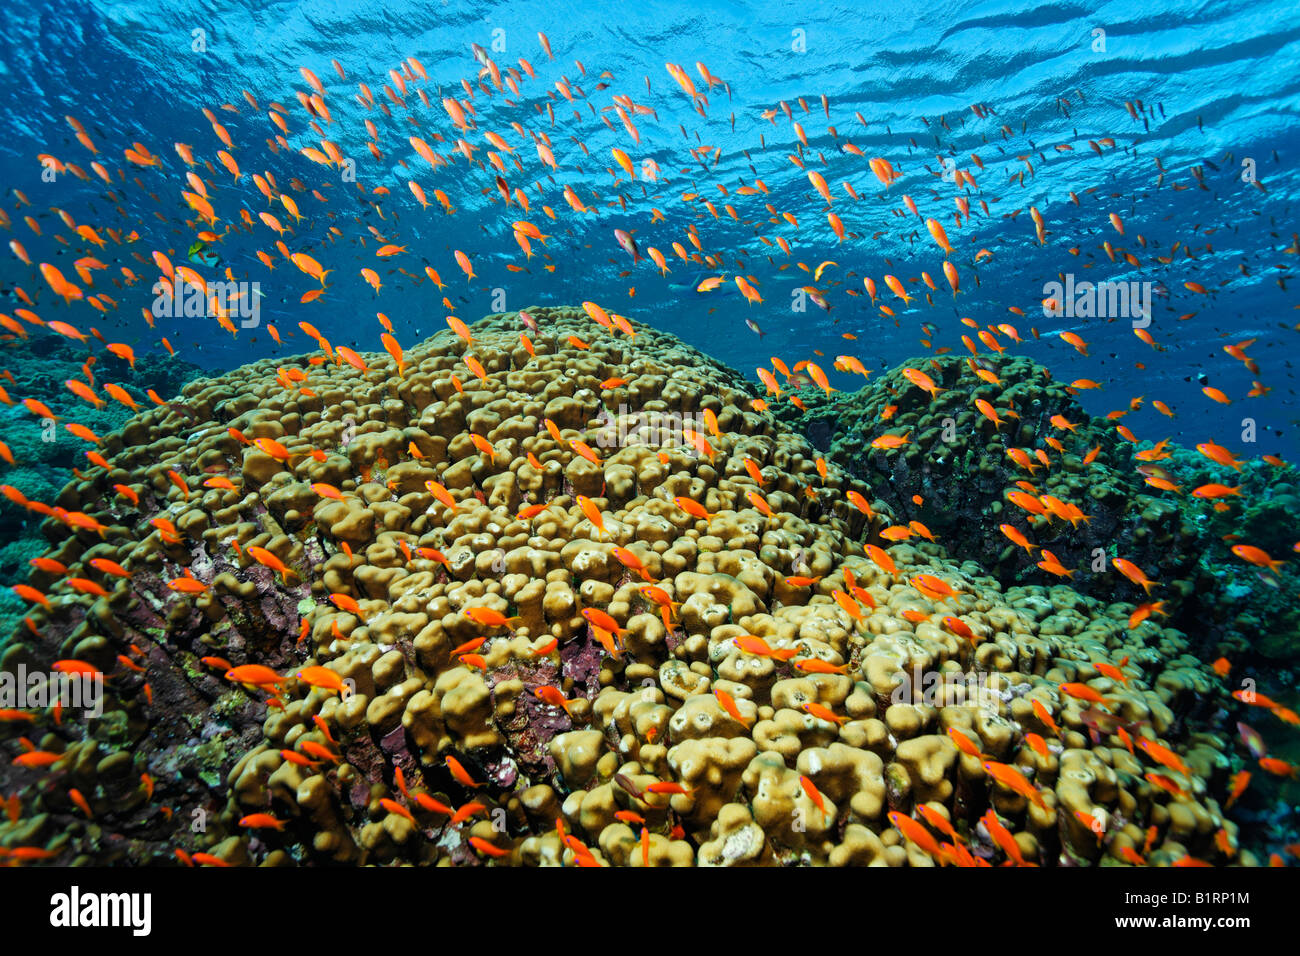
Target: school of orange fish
(483, 133)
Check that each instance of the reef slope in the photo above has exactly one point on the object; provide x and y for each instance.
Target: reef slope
(774, 702)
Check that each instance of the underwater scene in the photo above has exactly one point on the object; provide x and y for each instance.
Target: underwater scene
(594, 435)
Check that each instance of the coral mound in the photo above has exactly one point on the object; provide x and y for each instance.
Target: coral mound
(449, 686)
(963, 459)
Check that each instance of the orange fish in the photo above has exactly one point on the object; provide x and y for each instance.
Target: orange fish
(881, 558)
(322, 677)
(593, 514)
(1013, 779)
(917, 834)
(347, 603)
(488, 617)
(932, 587)
(824, 713)
(552, 696)
(254, 674)
(262, 821)
(729, 705)
(693, 508)
(752, 644)
(1134, 574)
(815, 665)
(269, 560)
(460, 773)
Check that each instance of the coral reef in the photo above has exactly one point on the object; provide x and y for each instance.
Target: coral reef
(960, 462)
(958, 457)
(1245, 610)
(44, 451)
(588, 607)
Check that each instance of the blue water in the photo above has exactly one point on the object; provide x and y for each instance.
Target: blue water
(1216, 80)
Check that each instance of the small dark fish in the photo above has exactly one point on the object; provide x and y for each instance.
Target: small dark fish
(1150, 470)
(1100, 722)
(1252, 739)
(628, 785)
(628, 244)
